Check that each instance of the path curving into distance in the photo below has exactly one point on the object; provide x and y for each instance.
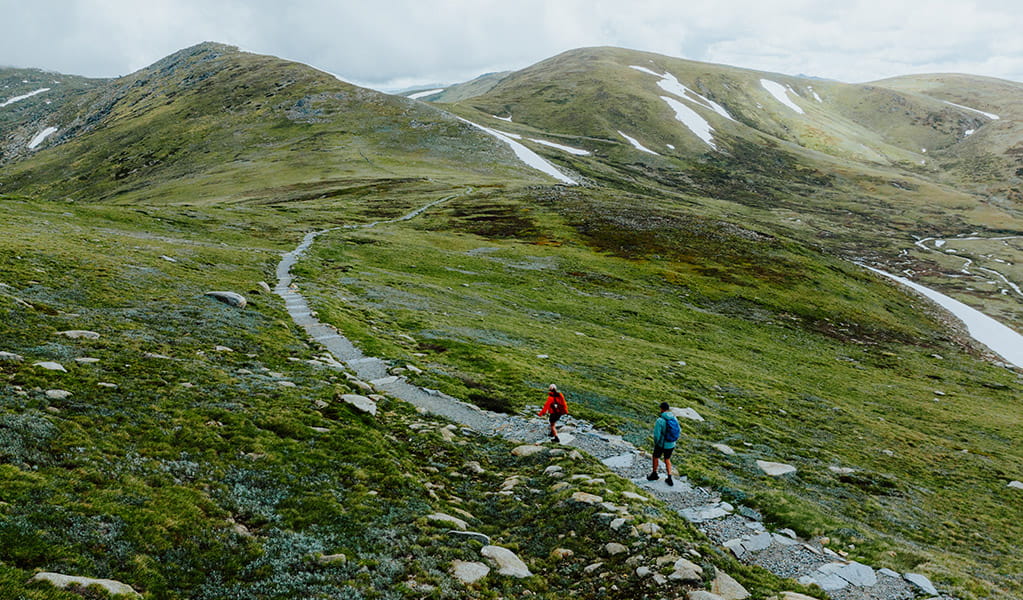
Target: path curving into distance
(736, 528)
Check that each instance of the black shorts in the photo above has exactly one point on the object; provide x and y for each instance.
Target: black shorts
(553, 418)
(664, 453)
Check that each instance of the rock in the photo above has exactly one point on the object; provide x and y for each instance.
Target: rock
(11, 357)
(219, 348)
(527, 450)
(775, 469)
(618, 523)
(795, 596)
(642, 572)
(687, 413)
(585, 498)
(614, 548)
(921, 582)
(634, 496)
(592, 567)
(649, 528)
(702, 595)
(469, 572)
(62, 581)
(687, 571)
(562, 553)
(168, 258)
(858, 574)
(287, 384)
(448, 520)
(58, 394)
(104, 384)
(331, 559)
(553, 470)
(50, 366)
(229, 298)
(265, 287)
(473, 535)
(621, 461)
(728, 588)
(699, 514)
(79, 334)
(507, 562)
(361, 402)
(888, 573)
(723, 449)
(1016, 484)
(475, 467)
(841, 470)
(87, 360)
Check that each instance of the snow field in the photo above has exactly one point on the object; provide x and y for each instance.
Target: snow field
(41, 136)
(991, 116)
(780, 93)
(19, 98)
(532, 159)
(425, 93)
(635, 144)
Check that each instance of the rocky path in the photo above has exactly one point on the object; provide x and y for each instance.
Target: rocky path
(737, 528)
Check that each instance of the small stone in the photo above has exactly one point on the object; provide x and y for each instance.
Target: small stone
(475, 467)
(551, 470)
(585, 498)
(230, 298)
(562, 553)
(58, 394)
(723, 449)
(286, 384)
(222, 349)
(727, 587)
(921, 582)
(649, 528)
(11, 357)
(775, 469)
(264, 286)
(527, 450)
(168, 258)
(473, 535)
(64, 581)
(592, 567)
(686, 571)
(331, 559)
(841, 470)
(87, 360)
(888, 452)
(507, 562)
(50, 366)
(469, 572)
(614, 548)
(79, 334)
(448, 520)
(1016, 485)
(642, 572)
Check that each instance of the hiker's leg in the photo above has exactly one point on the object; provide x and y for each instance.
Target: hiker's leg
(655, 465)
(667, 466)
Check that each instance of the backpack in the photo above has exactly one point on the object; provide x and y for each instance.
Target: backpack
(558, 405)
(672, 430)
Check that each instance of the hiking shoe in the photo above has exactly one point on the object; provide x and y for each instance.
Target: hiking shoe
(557, 440)
(669, 481)
(652, 477)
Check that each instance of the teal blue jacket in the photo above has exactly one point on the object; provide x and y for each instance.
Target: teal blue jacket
(659, 430)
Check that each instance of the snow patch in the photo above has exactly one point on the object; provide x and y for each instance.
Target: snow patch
(508, 119)
(968, 132)
(635, 144)
(1002, 340)
(41, 136)
(780, 93)
(672, 85)
(569, 149)
(814, 92)
(524, 154)
(691, 119)
(18, 98)
(991, 116)
(425, 93)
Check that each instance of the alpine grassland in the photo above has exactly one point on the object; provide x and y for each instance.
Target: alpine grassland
(195, 449)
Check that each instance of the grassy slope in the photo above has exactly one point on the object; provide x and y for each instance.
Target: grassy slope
(148, 483)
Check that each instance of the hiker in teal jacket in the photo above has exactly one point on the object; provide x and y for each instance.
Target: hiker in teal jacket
(666, 431)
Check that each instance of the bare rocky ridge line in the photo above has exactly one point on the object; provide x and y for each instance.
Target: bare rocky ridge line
(738, 529)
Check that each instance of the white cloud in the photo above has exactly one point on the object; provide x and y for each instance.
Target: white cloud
(404, 42)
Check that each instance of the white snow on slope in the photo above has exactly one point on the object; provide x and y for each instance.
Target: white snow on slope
(1004, 341)
(672, 85)
(17, 98)
(41, 136)
(815, 95)
(508, 119)
(425, 93)
(691, 119)
(569, 149)
(991, 116)
(526, 155)
(780, 93)
(635, 144)
(646, 70)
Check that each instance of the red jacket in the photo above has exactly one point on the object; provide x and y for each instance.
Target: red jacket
(549, 406)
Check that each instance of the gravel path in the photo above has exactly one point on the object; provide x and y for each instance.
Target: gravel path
(736, 528)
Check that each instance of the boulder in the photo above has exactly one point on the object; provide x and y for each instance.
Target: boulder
(507, 562)
(775, 469)
(11, 357)
(614, 548)
(687, 413)
(649, 528)
(112, 587)
(728, 588)
(642, 572)
(1016, 485)
(58, 394)
(229, 298)
(448, 520)
(265, 287)
(469, 572)
(723, 449)
(50, 366)
(76, 334)
(686, 571)
(361, 402)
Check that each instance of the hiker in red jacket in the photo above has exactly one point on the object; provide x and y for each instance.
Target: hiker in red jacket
(555, 407)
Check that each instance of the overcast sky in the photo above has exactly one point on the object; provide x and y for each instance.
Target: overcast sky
(392, 44)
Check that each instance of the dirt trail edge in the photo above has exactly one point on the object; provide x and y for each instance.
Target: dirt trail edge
(739, 529)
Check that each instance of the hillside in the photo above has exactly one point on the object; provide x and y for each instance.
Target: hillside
(194, 449)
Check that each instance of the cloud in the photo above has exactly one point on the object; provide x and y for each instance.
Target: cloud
(399, 42)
